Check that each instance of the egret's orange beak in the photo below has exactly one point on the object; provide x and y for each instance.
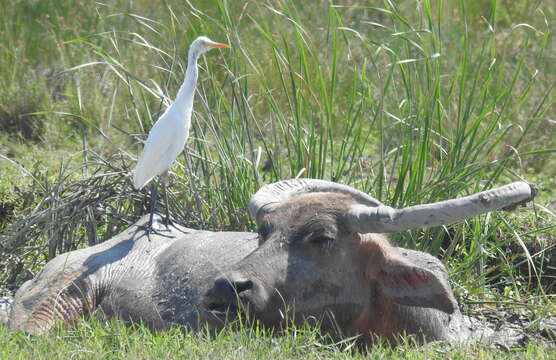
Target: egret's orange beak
(218, 45)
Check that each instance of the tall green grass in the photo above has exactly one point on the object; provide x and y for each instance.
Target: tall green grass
(412, 102)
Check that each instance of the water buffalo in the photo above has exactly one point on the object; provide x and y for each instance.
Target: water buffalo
(318, 254)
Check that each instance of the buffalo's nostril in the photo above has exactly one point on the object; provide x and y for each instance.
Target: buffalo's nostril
(225, 293)
(241, 286)
(229, 287)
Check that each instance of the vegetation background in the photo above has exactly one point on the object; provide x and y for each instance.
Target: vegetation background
(410, 101)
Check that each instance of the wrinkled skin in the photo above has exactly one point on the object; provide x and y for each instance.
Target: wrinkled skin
(310, 265)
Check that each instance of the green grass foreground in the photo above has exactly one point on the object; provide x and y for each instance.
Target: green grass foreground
(409, 101)
(94, 340)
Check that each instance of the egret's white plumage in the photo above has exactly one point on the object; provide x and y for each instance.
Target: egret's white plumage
(168, 135)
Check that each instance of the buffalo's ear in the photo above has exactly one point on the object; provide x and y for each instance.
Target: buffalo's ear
(407, 282)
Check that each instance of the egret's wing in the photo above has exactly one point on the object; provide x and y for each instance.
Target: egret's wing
(154, 160)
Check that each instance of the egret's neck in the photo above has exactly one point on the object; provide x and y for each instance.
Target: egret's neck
(184, 99)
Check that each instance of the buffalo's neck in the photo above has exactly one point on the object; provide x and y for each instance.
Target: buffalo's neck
(385, 320)
(378, 322)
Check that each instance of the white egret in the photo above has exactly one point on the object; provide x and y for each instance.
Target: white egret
(168, 135)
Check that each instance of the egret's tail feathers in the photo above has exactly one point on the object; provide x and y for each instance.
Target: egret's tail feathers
(140, 179)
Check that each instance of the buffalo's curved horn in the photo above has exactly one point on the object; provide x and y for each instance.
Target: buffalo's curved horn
(269, 196)
(384, 219)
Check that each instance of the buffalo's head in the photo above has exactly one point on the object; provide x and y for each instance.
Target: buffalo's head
(314, 259)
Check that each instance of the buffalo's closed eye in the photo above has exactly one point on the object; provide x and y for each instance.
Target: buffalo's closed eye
(324, 241)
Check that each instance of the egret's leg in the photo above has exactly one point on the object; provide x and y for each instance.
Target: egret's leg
(168, 218)
(149, 229)
(153, 207)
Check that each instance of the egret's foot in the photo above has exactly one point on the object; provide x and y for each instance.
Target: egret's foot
(149, 229)
(168, 222)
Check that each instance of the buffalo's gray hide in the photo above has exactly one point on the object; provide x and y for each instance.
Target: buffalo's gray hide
(157, 281)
